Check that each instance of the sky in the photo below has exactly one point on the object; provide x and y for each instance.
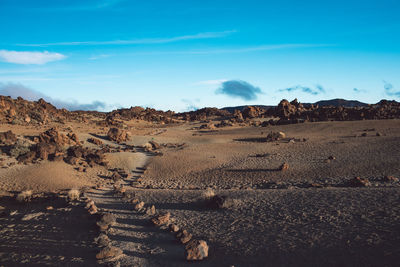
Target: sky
(183, 55)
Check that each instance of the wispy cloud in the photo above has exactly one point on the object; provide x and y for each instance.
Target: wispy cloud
(239, 89)
(256, 48)
(96, 57)
(16, 89)
(211, 82)
(357, 90)
(389, 89)
(233, 50)
(316, 91)
(24, 57)
(204, 35)
(190, 105)
(92, 5)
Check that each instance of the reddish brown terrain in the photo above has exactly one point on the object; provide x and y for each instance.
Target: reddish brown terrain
(291, 185)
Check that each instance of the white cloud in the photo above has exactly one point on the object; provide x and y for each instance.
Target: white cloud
(25, 57)
(204, 35)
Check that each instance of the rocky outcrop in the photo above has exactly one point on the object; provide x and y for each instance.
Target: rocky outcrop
(52, 136)
(205, 114)
(118, 135)
(252, 112)
(295, 112)
(140, 113)
(21, 111)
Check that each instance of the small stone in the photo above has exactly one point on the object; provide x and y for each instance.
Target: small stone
(108, 253)
(331, 157)
(359, 182)
(161, 219)
(378, 134)
(102, 240)
(275, 136)
(196, 250)
(151, 210)
(93, 209)
(284, 166)
(184, 236)
(389, 178)
(107, 220)
(89, 203)
(316, 185)
(139, 206)
(174, 228)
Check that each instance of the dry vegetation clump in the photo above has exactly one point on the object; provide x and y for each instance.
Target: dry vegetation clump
(208, 194)
(24, 196)
(73, 194)
(214, 201)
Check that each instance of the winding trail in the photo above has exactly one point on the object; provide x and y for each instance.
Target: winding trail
(142, 243)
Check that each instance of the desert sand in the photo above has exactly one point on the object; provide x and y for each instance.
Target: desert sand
(312, 214)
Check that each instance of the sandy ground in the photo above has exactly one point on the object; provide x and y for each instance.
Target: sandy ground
(271, 218)
(34, 236)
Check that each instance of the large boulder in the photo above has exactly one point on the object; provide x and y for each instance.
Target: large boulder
(53, 136)
(118, 135)
(45, 150)
(251, 112)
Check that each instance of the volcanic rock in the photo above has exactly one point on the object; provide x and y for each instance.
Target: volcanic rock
(275, 136)
(108, 253)
(95, 141)
(216, 202)
(174, 228)
(139, 206)
(390, 178)
(118, 135)
(53, 136)
(102, 240)
(8, 138)
(196, 250)
(107, 220)
(284, 167)
(184, 236)
(359, 182)
(161, 219)
(251, 112)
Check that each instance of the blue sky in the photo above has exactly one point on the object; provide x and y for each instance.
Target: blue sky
(180, 55)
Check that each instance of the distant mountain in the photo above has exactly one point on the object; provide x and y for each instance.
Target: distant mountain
(240, 108)
(338, 102)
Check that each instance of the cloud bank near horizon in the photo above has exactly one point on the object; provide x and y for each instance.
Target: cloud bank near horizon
(18, 90)
(389, 89)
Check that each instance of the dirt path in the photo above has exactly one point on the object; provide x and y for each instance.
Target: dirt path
(142, 243)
